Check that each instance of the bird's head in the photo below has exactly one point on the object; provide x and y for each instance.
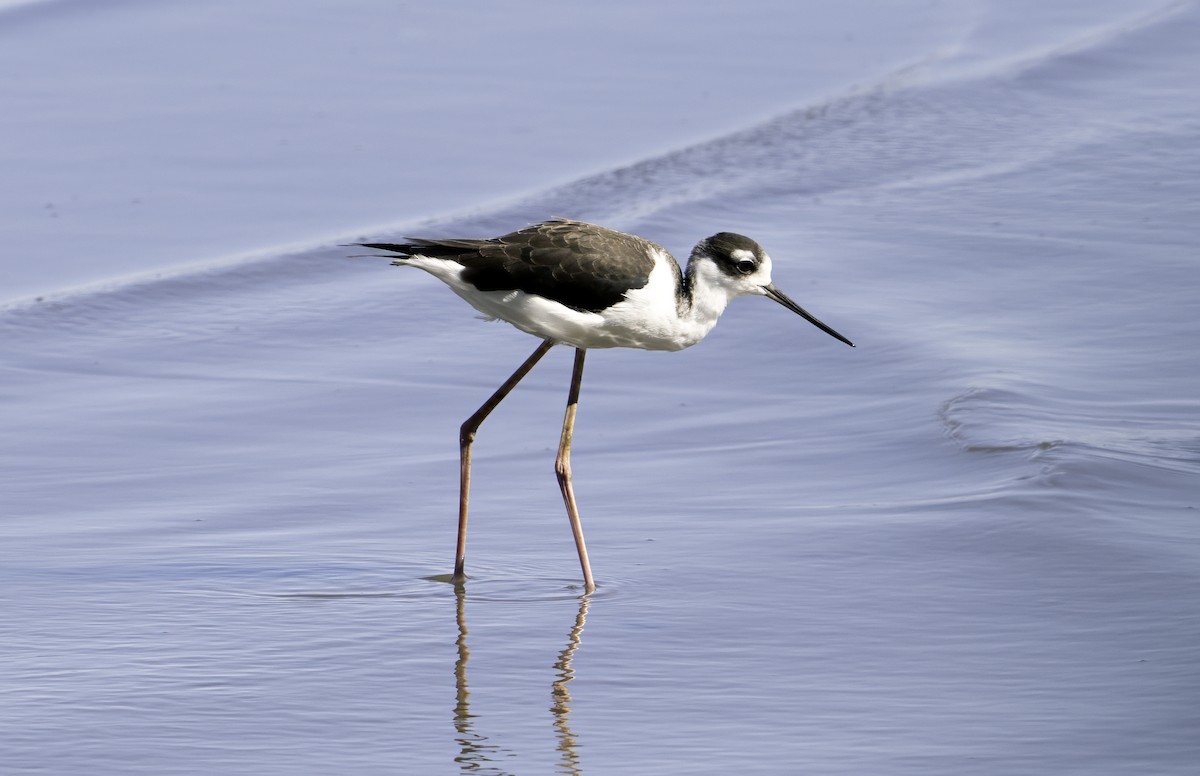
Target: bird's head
(738, 266)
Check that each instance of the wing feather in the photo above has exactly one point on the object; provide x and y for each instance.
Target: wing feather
(582, 266)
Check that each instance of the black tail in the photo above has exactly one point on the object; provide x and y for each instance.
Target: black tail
(402, 250)
(435, 249)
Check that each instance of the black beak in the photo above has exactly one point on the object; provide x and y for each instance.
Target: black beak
(774, 293)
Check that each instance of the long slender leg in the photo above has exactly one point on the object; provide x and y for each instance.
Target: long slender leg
(562, 467)
(466, 436)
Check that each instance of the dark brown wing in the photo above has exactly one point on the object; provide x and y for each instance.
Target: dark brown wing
(582, 266)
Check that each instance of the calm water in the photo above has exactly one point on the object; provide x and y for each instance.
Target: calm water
(970, 545)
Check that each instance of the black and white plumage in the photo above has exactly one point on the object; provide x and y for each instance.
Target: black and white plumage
(592, 287)
(586, 286)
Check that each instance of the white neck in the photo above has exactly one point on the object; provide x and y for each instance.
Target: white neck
(705, 296)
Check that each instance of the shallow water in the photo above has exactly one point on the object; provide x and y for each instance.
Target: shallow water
(969, 545)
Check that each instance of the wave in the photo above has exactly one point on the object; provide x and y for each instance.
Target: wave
(1116, 450)
(928, 123)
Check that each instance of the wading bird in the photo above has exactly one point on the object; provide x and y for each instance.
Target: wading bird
(586, 286)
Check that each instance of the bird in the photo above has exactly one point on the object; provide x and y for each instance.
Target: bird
(585, 286)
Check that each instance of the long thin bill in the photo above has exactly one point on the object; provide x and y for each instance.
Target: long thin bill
(774, 293)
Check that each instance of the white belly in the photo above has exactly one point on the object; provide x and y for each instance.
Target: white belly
(648, 317)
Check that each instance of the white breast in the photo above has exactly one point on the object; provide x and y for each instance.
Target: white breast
(652, 318)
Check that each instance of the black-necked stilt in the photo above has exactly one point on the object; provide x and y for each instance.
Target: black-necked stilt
(588, 287)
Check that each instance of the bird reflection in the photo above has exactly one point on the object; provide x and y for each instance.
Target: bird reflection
(561, 706)
(475, 754)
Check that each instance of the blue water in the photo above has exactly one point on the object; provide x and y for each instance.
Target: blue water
(968, 546)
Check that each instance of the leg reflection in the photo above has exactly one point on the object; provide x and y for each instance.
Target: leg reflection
(561, 696)
(475, 754)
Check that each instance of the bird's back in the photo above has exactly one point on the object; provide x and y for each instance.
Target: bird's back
(582, 266)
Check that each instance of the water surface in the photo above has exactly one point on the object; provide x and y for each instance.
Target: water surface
(969, 545)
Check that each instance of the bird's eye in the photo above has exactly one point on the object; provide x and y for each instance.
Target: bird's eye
(746, 266)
